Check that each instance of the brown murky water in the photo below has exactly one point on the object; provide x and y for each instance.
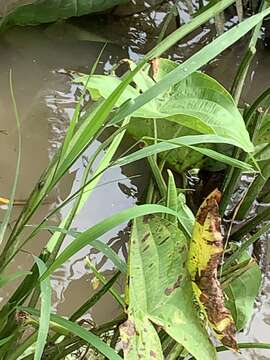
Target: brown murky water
(46, 97)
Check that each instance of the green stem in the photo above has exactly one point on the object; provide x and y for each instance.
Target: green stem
(254, 191)
(166, 23)
(236, 91)
(234, 174)
(248, 345)
(18, 351)
(158, 176)
(251, 225)
(245, 245)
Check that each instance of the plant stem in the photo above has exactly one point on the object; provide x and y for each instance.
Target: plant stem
(14, 355)
(251, 224)
(254, 191)
(242, 71)
(158, 176)
(236, 91)
(246, 346)
(245, 245)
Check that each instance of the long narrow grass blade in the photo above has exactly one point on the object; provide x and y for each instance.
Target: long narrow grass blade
(101, 228)
(45, 310)
(110, 254)
(96, 244)
(171, 196)
(6, 279)
(93, 340)
(188, 141)
(97, 118)
(5, 340)
(7, 215)
(94, 299)
(245, 245)
(101, 278)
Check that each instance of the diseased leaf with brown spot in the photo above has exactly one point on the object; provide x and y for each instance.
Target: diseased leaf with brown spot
(139, 338)
(160, 292)
(205, 253)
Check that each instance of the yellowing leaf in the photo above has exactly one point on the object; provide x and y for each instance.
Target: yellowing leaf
(205, 253)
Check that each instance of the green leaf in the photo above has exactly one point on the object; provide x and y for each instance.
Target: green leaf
(6, 279)
(185, 69)
(7, 215)
(94, 299)
(241, 294)
(45, 310)
(45, 11)
(6, 340)
(160, 290)
(197, 102)
(187, 216)
(188, 141)
(97, 244)
(139, 338)
(171, 196)
(86, 237)
(85, 334)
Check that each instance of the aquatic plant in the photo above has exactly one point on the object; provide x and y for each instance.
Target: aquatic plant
(182, 279)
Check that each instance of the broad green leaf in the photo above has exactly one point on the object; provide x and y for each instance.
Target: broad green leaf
(241, 294)
(139, 338)
(205, 254)
(45, 11)
(95, 120)
(197, 102)
(86, 237)
(45, 310)
(75, 329)
(160, 291)
(191, 65)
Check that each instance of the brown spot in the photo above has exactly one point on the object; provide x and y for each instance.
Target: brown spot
(176, 285)
(164, 240)
(153, 354)
(147, 218)
(210, 205)
(155, 67)
(146, 236)
(128, 327)
(146, 247)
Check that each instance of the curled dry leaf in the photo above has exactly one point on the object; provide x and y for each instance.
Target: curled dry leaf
(204, 257)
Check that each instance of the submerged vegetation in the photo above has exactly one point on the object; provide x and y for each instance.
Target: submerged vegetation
(190, 274)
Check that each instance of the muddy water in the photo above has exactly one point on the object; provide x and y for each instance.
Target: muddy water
(46, 100)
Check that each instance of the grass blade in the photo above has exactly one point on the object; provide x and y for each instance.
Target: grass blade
(7, 215)
(94, 299)
(92, 339)
(86, 237)
(188, 141)
(194, 63)
(6, 279)
(44, 321)
(101, 278)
